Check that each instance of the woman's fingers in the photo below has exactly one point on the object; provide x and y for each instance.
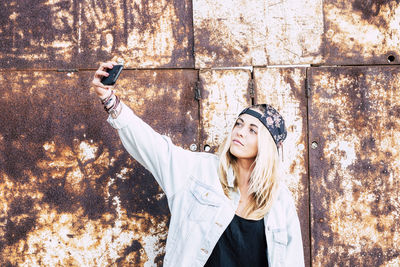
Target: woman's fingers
(106, 65)
(101, 72)
(101, 89)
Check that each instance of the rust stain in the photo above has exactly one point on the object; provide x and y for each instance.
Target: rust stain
(225, 36)
(354, 190)
(160, 93)
(144, 33)
(361, 32)
(257, 33)
(70, 194)
(35, 33)
(371, 10)
(224, 94)
(283, 88)
(78, 34)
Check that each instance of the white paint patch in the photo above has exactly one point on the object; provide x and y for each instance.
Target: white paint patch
(109, 42)
(350, 154)
(49, 146)
(150, 245)
(122, 174)
(108, 187)
(87, 151)
(300, 147)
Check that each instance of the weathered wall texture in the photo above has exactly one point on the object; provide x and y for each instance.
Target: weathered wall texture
(71, 196)
(361, 32)
(355, 127)
(79, 34)
(257, 32)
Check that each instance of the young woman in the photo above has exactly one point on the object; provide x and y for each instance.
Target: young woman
(230, 209)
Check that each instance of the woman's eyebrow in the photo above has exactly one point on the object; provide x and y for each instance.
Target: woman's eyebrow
(254, 125)
(251, 124)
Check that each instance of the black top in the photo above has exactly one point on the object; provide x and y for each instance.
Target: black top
(242, 244)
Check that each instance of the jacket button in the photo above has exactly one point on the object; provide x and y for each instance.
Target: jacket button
(204, 250)
(217, 223)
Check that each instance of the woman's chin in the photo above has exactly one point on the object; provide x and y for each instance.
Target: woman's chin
(236, 152)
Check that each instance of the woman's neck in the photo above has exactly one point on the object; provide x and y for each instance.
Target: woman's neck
(244, 168)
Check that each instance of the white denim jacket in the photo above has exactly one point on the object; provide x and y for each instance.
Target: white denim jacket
(200, 211)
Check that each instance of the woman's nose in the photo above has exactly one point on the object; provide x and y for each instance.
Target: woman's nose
(240, 132)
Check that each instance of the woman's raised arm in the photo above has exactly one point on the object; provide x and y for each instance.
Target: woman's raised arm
(170, 165)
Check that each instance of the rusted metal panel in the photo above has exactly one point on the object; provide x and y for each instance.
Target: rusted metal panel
(166, 100)
(354, 116)
(223, 94)
(294, 32)
(257, 32)
(38, 34)
(284, 89)
(70, 194)
(225, 33)
(78, 34)
(362, 32)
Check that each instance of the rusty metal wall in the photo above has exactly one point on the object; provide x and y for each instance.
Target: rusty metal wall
(362, 32)
(354, 154)
(72, 197)
(257, 32)
(79, 34)
(70, 194)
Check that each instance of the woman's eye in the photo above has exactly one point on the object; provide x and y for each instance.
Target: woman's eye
(253, 131)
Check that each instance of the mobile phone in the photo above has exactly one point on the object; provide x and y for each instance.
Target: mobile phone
(113, 75)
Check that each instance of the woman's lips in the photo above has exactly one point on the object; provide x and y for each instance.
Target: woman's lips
(237, 142)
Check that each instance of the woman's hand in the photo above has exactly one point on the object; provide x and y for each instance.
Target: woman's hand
(102, 90)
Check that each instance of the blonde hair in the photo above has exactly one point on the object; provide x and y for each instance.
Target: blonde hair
(264, 178)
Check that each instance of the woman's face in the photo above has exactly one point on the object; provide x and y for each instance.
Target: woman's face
(244, 138)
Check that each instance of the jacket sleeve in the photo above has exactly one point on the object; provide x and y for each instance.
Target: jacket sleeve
(169, 164)
(295, 254)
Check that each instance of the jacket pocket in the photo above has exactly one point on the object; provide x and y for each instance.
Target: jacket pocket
(280, 241)
(280, 237)
(205, 202)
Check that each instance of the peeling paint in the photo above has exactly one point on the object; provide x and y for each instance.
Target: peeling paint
(362, 32)
(354, 198)
(257, 32)
(70, 194)
(79, 34)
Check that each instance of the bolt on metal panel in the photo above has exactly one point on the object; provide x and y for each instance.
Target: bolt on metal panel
(78, 34)
(70, 194)
(257, 32)
(362, 32)
(284, 89)
(354, 116)
(224, 93)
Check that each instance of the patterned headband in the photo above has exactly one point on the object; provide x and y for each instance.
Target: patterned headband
(272, 120)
